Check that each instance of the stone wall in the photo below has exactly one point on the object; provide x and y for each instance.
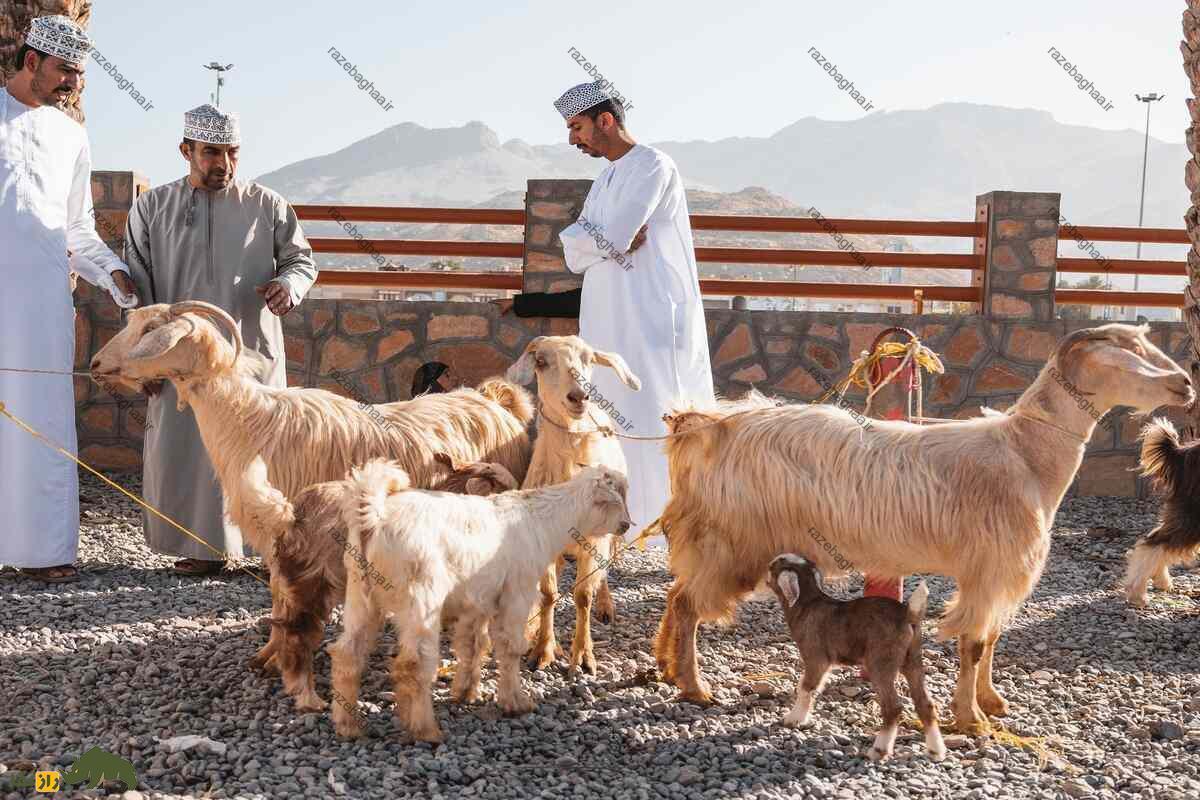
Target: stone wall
(378, 345)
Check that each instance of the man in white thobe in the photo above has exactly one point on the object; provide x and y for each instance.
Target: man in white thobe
(641, 290)
(45, 212)
(238, 245)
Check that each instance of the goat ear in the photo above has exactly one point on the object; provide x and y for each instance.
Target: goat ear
(445, 460)
(521, 373)
(160, 340)
(479, 486)
(789, 584)
(618, 365)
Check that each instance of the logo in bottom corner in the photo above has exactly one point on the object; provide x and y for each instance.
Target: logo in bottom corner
(94, 766)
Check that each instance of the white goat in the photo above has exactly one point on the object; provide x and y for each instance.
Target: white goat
(974, 500)
(304, 436)
(569, 438)
(476, 558)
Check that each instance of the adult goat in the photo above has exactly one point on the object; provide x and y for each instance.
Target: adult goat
(973, 500)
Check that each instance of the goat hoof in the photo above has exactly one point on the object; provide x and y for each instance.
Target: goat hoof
(307, 703)
(700, 697)
(879, 755)
(994, 705)
(583, 661)
(431, 735)
(539, 659)
(517, 706)
(938, 755)
(797, 723)
(1137, 600)
(1163, 582)
(466, 697)
(350, 729)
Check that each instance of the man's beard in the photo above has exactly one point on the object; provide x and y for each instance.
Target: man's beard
(214, 182)
(51, 96)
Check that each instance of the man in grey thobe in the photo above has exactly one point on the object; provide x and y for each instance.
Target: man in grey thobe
(239, 246)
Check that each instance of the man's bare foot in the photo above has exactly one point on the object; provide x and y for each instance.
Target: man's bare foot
(63, 573)
(197, 566)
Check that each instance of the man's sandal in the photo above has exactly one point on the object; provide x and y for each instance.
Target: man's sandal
(197, 567)
(63, 573)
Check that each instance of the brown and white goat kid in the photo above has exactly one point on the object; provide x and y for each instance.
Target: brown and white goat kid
(874, 632)
(474, 558)
(569, 438)
(972, 500)
(308, 575)
(304, 436)
(1175, 469)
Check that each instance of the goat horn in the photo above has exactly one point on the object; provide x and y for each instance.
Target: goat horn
(217, 315)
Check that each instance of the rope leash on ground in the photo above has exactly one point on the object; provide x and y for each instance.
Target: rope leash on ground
(54, 446)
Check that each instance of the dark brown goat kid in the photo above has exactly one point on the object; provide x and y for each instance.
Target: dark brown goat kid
(875, 632)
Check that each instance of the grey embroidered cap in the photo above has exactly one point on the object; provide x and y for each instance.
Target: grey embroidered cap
(580, 98)
(212, 125)
(58, 36)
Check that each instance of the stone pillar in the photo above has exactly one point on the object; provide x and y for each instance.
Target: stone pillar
(550, 206)
(109, 424)
(1022, 250)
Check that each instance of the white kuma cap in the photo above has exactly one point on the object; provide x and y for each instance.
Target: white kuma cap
(59, 36)
(580, 98)
(211, 125)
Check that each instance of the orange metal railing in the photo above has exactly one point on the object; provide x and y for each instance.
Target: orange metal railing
(973, 262)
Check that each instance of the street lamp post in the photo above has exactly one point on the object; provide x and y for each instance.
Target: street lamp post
(1147, 99)
(220, 70)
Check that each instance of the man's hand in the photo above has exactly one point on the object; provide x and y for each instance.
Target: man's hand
(505, 304)
(277, 297)
(124, 282)
(638, 240)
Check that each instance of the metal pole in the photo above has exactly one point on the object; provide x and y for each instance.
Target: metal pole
(1147, 99)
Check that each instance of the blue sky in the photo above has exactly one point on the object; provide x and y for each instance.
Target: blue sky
(696, 70)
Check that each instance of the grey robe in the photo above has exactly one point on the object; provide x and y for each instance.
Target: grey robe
(183, 243)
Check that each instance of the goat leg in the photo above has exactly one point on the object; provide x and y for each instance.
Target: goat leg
(541, 655)
(348, 655)
(589, 576)
(883, 680)
(469, 646)
(692, 687)
(968, 717)
(420, 646)
(815, 673)
(988, 698)
(667, 641)
(508, 639)
(927, 710)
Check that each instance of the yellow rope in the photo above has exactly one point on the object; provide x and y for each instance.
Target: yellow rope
(863, 367)
(53, 446)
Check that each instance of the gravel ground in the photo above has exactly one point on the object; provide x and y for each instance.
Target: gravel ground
(132, 655)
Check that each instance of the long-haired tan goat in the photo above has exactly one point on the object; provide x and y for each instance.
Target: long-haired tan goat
(476, 558)
(973, 500)
(568, 439)
(303, 436)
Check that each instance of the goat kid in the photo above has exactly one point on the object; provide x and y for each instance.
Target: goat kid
(568, 439)
(310, 554)
(1175, 469)
(475, 558)
(873, 632)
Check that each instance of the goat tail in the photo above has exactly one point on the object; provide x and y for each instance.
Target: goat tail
(512, 398)
(1162, 457)
(263, 513)
(364, 506)
(917, 602)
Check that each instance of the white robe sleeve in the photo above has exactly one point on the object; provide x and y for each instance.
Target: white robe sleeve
(89, 255)
(584, 247)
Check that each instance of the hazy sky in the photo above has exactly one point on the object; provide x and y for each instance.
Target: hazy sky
(695, 70)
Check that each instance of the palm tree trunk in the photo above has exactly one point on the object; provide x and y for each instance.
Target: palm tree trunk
(1190, 47)
(14, 23)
